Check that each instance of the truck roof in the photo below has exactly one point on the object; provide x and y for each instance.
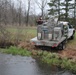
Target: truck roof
(64, 22)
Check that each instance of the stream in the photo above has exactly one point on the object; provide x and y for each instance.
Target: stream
(17, 65)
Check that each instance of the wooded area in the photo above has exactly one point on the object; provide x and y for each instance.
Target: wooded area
(64, 10)
(15, 13)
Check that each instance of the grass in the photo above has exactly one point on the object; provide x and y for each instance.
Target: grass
(23, 30)
(28, 33)
(72, 42)
(53, 59)
(21, 33)
(16, 51)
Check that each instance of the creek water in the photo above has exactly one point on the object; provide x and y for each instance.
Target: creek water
(17, 65)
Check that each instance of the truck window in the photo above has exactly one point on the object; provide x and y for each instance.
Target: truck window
(70, 26)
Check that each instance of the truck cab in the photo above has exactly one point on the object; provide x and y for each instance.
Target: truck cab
(71, 30)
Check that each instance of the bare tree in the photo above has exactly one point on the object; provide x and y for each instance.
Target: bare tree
(28, 11)
(58, 9)
(0, 11)
(20, 12)
(12, 14)
(42, 4)
(5, 12)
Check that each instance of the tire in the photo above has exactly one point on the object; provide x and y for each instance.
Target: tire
(36, 46)
(62, 46)
(72, 37)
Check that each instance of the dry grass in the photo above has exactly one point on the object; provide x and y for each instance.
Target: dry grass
(17, 34)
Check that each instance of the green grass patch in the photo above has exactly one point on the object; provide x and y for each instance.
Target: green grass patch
(17, 51)
(54, 59)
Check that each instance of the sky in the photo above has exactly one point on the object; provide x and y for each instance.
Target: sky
(34, 7)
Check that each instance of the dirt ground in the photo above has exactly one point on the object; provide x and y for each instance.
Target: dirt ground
(69, 52)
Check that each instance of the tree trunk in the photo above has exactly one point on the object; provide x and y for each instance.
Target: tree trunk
(75, 12)
(58, 9)
(66, 10)
(27, 18)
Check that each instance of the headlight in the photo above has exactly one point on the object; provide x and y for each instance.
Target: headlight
(50, 36)
(39, 36)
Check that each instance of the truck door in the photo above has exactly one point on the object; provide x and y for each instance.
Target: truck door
(70, 30)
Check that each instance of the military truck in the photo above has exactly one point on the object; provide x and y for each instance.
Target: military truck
(53, 33)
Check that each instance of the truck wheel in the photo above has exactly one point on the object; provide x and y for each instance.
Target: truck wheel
(72, 37)
(36, 46)
(61, 46)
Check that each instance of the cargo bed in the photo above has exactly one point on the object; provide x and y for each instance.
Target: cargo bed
(37, 42)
